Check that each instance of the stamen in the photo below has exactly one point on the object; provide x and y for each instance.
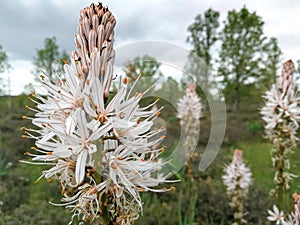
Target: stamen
(138, 120)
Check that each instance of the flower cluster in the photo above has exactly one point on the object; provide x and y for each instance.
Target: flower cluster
(189, 113)
(237, 179)
(280, 218)
(190, 104)
(281, 114)
(102, 147)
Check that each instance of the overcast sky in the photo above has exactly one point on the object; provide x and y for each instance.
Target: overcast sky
(24, 24)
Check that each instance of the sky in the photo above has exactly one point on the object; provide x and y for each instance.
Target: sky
(24, 25)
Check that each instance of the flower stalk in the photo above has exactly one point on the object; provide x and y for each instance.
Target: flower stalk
(189, 112)
(281, 114)
(103, 148)
(237, 179)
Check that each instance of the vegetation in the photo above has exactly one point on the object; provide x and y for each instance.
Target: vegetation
(206, 205)
(49, 59)
(203, 36)
(243, 53)
(200, 197)
(247, 60)
(4, 66)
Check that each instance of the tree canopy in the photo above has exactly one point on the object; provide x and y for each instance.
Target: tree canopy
(245, 54)
(4, 66)
(203, 34)
(49, 59)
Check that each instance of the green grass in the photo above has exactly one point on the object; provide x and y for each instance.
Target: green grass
(257, 156)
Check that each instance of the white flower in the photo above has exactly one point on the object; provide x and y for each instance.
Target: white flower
(290, 220)
(281, 114)
(281, 111)
(103, 149)
(190, 103)
(276, 215)
(85, 202)
(237, 174)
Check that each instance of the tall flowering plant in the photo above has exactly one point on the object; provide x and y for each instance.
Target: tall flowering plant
(281, 114)
(189, 113)
(237, 179)
(101, 147)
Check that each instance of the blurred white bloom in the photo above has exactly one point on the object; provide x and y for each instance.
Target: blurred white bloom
(189, 109)
(292, 218)
(237, 179)
(103, 149)
(237, 174)
(276, 215)
(190, 103)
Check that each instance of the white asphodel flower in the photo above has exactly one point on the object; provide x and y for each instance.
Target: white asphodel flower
(103, 148)
(237, 179)
(281, 114)
(189, 109)
(276, 215)
(190, 103)
(281, 111)
(292, 218)
(237, 174)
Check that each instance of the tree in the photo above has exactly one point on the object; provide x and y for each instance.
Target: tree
(147, 67)
(4, 66)
(203, 36)
(242, 54)
(271, 62)
(49, 59)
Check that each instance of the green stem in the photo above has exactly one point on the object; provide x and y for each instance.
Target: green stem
(280, 168)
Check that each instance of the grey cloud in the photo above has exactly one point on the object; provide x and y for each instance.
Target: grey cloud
(23, 28)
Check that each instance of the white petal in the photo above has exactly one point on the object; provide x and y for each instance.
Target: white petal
(80, 166)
